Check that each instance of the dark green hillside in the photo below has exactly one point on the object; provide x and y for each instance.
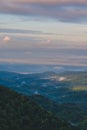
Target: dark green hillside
(71, 112)
(18, 112)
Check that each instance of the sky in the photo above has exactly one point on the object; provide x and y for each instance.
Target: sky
(43, 32)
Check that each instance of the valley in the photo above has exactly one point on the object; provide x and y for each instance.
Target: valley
(63, 94)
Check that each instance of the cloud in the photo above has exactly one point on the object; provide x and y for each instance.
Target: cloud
(28, 52)
(45, 42)
(3, 41)
(62, 10)
(53, 1)
(24, 31)
(6, 38)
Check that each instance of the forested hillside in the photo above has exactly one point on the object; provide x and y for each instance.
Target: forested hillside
(18, 112)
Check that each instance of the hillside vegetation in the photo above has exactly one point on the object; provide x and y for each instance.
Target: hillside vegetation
(18, 112)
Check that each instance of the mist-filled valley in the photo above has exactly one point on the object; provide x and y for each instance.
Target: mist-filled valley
(63, 94)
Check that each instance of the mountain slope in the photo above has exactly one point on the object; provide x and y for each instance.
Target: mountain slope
(71, 112)
(18, 112)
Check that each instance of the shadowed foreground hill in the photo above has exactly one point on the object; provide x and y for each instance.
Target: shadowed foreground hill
(70, 112)
(18, 112)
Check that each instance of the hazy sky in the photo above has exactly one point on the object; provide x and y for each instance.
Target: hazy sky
(43, 31)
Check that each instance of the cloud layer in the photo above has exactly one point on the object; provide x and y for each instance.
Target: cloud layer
(62, 10)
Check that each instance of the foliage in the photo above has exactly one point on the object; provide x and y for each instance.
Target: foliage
(18, 112)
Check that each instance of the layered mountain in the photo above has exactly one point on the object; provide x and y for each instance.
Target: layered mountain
(65, 87)
(64, 94)
(18, 112)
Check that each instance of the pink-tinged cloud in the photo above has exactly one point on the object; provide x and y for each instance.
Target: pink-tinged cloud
(62, 10)
(6, 39)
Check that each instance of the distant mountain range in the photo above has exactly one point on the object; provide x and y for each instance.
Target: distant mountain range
(63, 87)
(64, 94)
(39, 68)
